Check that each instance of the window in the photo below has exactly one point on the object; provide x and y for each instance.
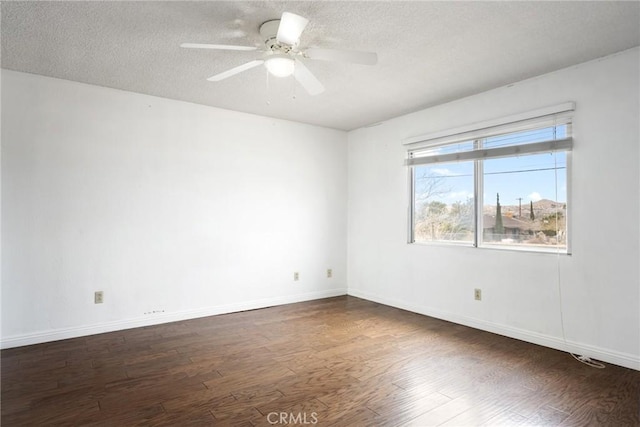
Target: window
(501, 189)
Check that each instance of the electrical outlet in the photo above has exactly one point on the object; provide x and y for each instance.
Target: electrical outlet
(329, 273)
(477, 294)
(98, 297)
(296, 276)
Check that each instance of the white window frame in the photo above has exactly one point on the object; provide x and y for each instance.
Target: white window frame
(561, 114)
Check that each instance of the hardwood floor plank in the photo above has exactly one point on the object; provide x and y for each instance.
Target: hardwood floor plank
(547, 416)
(507, 418)
(197, 400)
(245, 402)
(136, 416)
(359, 417)
(146, 390)
(314, 382)
(477, 415)
(442, 413)
(404, 406)
(60, 409)
(193, 418)
(250, 379)
(354, 396)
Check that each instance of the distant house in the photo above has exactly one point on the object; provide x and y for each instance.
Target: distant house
(514, 228)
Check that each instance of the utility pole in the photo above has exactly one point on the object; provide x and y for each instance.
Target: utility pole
(519, 199)
(499, 226)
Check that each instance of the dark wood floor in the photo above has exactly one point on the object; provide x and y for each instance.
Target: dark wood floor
(338, 361)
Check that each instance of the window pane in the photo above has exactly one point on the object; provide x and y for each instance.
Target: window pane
(443, 203)
(532, 206)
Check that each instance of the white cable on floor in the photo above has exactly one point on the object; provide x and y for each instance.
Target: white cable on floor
(588, 361)
(580, 358)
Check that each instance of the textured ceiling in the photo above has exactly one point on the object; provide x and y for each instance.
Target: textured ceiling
(429, 52)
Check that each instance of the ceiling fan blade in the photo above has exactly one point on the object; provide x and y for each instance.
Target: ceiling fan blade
(291, 27)
(308, 81)
(216, 46)
(235, 70)
(351, 56)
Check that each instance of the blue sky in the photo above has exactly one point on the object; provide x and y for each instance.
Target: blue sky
(531, 178)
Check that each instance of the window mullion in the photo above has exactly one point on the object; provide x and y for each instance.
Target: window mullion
(478, 195)
(412, 205)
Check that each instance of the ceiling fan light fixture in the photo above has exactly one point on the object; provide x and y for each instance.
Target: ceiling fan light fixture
(282, 56)
(280, 65)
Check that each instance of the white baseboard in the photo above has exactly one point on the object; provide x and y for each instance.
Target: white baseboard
(598, 353)
(80, 331)
(617, 358)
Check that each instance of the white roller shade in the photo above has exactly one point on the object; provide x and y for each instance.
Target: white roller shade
(540, 118)
(492, 153)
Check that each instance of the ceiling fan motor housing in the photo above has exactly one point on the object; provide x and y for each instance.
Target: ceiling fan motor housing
(269, 31)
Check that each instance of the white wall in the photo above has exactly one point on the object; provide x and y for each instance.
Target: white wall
(165, 206)
(600, 282)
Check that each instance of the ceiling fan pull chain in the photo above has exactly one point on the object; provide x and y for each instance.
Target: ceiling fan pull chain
(294, 82)
(268, 87)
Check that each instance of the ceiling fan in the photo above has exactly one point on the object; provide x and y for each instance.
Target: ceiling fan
(282, 53)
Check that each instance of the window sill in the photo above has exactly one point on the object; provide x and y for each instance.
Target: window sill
(497, 247)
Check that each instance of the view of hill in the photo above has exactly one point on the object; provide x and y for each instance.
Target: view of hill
(539, 223)
(541, 208)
